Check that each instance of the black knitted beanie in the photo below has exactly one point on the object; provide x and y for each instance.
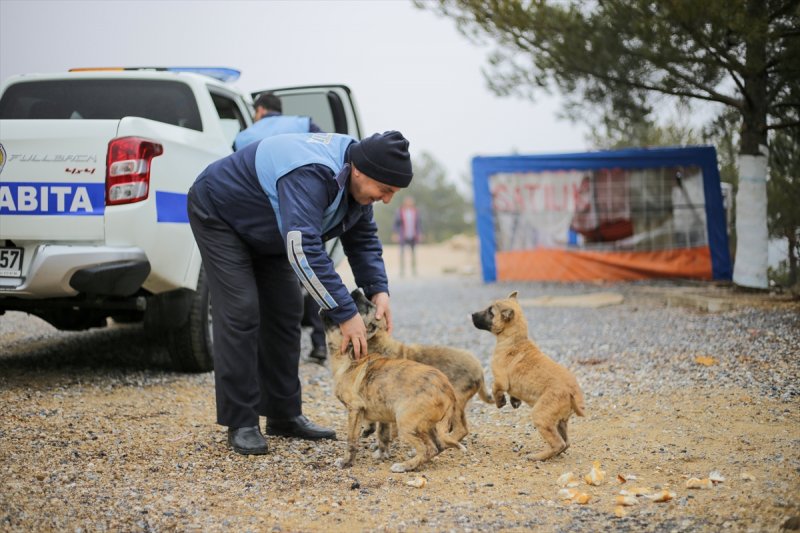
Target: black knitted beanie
(384, 157)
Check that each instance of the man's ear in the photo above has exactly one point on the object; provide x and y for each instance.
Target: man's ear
(513, 295)
(507, 314)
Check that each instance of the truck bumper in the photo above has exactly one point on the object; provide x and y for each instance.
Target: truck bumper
(59, 271)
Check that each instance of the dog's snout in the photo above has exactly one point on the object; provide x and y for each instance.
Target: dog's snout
(479, 320)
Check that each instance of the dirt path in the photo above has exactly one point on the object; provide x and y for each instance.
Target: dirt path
(144, 456)
(94, 439)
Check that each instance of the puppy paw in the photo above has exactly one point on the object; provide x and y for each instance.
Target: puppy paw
(499, 400)
(398, 468)
(380, 454)
(542, 456)
(515, 402)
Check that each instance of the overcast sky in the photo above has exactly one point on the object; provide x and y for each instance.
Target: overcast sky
(408, 68)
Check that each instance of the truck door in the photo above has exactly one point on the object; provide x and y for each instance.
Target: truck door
(331, 107)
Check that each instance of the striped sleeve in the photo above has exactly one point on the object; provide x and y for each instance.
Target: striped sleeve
(303, 195)
(297, 258)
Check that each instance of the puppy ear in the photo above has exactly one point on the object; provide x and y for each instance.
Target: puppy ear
(327, 322)
(513, 295)
(360, 298)
(357, 295)
(507, 314)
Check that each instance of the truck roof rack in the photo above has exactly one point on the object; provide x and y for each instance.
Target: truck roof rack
(219, 73)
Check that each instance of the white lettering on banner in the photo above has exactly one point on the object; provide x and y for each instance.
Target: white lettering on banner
(29, 199)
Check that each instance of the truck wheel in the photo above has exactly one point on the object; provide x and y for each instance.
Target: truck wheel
(191, 344)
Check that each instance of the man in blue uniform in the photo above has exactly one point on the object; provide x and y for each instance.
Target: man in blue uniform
(269, 121)
(260, 217)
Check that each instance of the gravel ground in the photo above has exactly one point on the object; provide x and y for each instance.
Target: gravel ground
(96, 435)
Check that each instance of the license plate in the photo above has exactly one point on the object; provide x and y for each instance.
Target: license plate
(10, 262)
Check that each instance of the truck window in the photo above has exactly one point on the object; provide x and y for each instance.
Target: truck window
(230, 116)
(318, 106)
(170, 102)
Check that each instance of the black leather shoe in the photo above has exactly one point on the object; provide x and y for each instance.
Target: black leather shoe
(300, 427)
(318, 355)
(247, 440)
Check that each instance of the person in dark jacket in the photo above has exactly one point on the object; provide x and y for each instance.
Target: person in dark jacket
(268, 121)
(260, 217)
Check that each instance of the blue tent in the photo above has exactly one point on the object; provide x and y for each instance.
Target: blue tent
(648, 198)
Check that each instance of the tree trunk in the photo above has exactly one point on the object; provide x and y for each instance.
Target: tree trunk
(792, 260)
(750, 265)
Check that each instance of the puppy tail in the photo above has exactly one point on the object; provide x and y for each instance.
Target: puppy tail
(485, 395)
(577, 403)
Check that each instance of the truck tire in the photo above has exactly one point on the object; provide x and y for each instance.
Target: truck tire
(190, 345)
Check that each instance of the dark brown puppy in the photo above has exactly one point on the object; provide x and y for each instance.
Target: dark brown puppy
(522, 370)
(461, 367)
(417, 398)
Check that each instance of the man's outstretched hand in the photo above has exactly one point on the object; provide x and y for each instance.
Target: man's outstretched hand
(381, 301)
(354, 332)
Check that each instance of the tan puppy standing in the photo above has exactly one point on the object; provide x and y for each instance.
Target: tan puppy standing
(417, 398)
(461, 367)
(527, 374)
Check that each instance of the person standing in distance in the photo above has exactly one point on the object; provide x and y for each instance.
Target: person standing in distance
(260, 217)
(268, 120)
(407, 230)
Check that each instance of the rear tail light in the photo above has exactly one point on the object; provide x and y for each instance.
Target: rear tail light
(128, 169)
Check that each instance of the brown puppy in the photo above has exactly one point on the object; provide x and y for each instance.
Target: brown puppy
(418, 398)
(522, 370)
(461, 367)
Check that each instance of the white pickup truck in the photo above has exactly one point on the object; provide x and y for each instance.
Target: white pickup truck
(94, 170)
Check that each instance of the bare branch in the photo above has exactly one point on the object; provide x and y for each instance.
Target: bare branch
(783, 125)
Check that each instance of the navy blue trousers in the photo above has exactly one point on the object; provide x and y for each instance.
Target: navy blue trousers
(256, 308)
(311, 318)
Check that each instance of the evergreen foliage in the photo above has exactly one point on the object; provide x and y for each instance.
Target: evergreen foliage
(622, 58)
(617, 61)
(783, 197)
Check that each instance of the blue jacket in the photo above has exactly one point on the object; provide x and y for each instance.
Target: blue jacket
(285, 195)
(273, 124)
